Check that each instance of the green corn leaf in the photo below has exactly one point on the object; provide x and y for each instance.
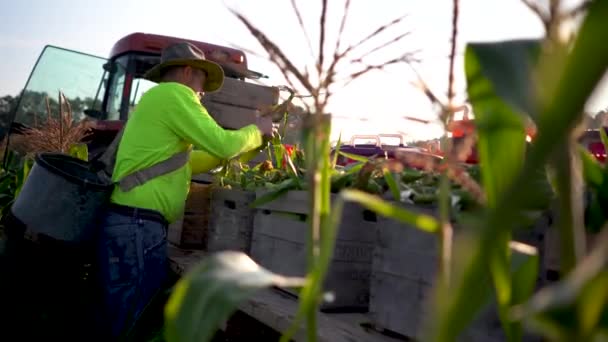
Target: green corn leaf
(525, 264)
(210, 292)
(334, 162)
(392, 185)
(374, 203)
(79, 151)
(27, 166)
(577, 78)
(576, 308)
(592, 170)
(340, 181)
(500, 127)
(354, 157)
(410, 175)
(278, 191)
(522, 274)
(508, 67)
(604, 138)
(355, 168)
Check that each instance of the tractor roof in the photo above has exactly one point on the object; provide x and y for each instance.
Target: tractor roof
(153, 44)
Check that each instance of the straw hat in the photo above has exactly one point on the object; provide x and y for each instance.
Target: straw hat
(188, 54)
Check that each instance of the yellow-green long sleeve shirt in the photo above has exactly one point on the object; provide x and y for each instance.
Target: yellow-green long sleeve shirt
(170, 119)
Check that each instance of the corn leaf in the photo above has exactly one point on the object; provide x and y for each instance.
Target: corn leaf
(354, 157)
(592, 170)
(508, 68)
(525, 264)
(392, 184)
(499, 128)
(374, 203)
(578, 77)
(334, 161)
(211, 291)
(575, 309)
(355, 168)
(604, 138)
(22, 176)
(79, 151)
(273, 194)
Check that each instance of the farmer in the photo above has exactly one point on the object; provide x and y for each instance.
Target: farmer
(169, 119)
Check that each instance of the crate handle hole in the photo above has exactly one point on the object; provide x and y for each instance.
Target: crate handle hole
(230, 204)
(369, 216)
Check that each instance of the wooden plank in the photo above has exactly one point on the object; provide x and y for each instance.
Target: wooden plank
(231, 225)
(279, 245)
(244, 94)
(180, 259)
(291, 202)
(277, 309)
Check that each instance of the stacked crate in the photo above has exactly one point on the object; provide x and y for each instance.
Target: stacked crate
(405, 264)
(280, 234)
(231, 225)
(235, 104)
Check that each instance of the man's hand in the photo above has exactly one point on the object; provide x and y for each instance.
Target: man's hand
(265, 126)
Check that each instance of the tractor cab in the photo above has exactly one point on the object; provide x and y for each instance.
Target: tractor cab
(135, 54)
(107, 89)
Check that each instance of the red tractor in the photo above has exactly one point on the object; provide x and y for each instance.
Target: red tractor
(590, 139)
(106, 90)
(458, 130)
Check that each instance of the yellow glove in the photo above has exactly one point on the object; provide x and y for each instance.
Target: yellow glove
(201, 161)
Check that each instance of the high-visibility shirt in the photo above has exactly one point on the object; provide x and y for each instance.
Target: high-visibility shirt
(170, 119)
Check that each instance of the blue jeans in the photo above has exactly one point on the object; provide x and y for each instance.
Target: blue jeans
(132, 264)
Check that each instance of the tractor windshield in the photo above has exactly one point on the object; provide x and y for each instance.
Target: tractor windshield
(77, 75)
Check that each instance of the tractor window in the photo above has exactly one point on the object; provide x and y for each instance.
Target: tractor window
(116, 88)
(127, 84)
(141, 64)
(77, 75)
(140, 86)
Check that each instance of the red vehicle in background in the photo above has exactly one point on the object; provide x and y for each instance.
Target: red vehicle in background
(458, 130)
(592, 140)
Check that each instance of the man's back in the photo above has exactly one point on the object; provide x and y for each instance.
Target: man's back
(169, 119)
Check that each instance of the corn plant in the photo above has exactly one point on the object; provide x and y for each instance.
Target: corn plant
(59, 133)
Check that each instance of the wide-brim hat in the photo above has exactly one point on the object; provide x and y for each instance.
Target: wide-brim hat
(187, 54)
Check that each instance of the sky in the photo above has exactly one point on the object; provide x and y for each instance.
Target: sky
(375, 103)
